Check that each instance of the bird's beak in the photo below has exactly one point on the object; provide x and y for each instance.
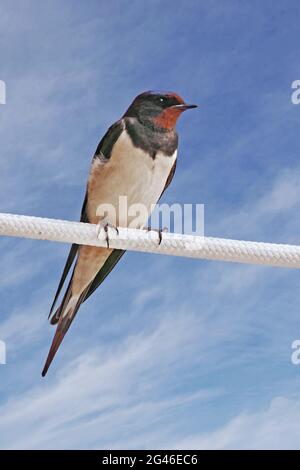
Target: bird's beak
(184, 107)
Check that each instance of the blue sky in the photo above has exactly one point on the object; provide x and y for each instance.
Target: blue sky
(172, 353)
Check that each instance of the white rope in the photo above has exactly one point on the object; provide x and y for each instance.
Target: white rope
(140, 240)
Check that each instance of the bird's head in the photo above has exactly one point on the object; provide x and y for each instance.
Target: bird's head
(160, 109)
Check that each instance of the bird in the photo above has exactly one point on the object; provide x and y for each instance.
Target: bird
(136, 158)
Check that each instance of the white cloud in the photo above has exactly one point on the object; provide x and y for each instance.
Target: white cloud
(106, 394)
(154, 359)
(265, 208)
(276, 427)
(24, 324)
(146, 295)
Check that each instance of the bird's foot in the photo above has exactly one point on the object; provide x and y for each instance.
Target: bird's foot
(159, 231)
(105, 226)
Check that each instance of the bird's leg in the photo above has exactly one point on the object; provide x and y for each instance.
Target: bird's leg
(105, 225)
(159, 231)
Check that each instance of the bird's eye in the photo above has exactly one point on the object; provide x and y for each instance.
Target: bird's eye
(161, 100)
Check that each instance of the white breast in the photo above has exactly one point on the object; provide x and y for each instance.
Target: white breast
(130, 172)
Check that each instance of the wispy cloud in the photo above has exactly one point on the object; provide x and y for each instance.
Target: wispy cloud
(168, 349)
(122, 388)
(276, 427)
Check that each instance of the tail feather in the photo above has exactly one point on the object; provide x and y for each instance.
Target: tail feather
(68, 312)
(71, 257)
(66, 299)
(62, 329)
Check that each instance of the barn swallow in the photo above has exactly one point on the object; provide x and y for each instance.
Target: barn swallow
(136, 158)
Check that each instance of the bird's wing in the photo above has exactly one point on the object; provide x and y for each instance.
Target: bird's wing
(170, 177)
(70, 259)
(64, 323)
(103, 152)
(88, 260)
(109, 264)
(107, 142)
